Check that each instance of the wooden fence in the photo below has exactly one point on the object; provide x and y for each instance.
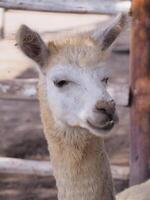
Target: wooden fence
(140, 129)
(25, 89)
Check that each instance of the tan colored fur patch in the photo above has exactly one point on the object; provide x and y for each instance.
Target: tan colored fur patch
(77, 51)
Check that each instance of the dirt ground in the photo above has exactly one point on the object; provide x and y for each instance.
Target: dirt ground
(21, 130)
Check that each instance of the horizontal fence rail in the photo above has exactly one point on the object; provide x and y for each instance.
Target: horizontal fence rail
(44, 168)
(26, 89)
(69, 6)
(19, 89)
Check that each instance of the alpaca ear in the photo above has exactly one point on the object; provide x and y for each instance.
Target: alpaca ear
(106, 37)
(32, 45)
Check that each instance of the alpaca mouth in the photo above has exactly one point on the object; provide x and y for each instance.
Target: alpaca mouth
(105, 127)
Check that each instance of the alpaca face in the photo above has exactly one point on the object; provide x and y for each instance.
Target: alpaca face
(75, 76)
(78, 97)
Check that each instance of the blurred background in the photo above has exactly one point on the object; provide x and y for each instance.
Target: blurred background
(21, 130)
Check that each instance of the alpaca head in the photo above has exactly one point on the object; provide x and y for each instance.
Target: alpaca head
(75, 76)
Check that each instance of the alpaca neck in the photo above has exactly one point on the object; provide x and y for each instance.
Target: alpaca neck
(81, 167)
(80, 164)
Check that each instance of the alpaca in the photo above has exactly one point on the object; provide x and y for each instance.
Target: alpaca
(137, 192)
(76, 109)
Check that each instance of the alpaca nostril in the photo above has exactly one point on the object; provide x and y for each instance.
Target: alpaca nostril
(106, 108)
(102, 110)
(110, 116)
(106, 112)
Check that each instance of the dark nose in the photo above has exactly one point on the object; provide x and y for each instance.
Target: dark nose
(106, 107)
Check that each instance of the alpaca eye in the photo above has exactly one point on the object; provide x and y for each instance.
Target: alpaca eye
(105, 80)
(61, 83)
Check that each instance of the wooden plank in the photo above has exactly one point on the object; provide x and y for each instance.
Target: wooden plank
(28, 167)
(70, 6)
(140, 92)
(25, 89)
(44, 168)
(19, 89)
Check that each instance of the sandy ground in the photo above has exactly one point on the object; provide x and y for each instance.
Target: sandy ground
(20, 125)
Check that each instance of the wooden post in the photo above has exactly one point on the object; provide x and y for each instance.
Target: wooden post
(140, 92)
